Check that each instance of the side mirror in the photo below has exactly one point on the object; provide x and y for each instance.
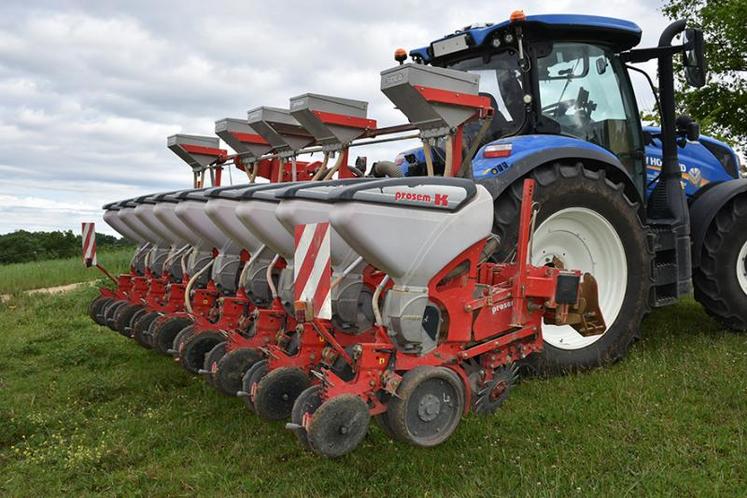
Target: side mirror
(687, 127)
(694, 58)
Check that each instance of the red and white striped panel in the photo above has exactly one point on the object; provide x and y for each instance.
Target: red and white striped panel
(312, 271)
(88, 232)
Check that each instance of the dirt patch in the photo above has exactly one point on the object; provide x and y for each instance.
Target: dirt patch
(49, 290)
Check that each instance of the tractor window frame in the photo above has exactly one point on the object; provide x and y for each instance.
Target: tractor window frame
(543, 124)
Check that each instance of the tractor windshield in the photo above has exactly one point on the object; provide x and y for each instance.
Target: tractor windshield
(500, 79)
(582, 89)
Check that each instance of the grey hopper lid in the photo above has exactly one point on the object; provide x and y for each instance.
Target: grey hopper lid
(305, 109)
(242, 138)
(279, 128)
(400, 84)
(196, 161)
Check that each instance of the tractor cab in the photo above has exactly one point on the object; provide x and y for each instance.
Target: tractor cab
(560, 75)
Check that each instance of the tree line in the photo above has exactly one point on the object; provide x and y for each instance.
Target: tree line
(22, 246)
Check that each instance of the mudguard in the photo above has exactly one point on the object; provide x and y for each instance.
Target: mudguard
(704, 210)
(532, 151)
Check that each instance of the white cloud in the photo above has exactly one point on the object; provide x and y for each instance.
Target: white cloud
(90, 90)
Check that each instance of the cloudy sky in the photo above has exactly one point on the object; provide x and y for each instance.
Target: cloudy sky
(89, 91)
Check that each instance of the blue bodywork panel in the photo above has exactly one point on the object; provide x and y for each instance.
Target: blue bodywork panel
(699, 166)
(627, 34)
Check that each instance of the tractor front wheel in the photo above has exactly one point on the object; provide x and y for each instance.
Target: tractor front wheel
(721, 279)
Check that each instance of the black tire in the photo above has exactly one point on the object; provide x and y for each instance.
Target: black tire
(140, 328)
(192, 353)
(251, 377)
(277, 391)
(182, 337)
(95, 307)
(308, 401)
(716, 283)
(230, 369)
(338, 426)
(110, 312)
(164, 332)
(211, 361)
(407, 420)
(123, 317)
(560, 187)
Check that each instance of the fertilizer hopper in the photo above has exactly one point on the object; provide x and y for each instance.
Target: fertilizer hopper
(286, 135)
(310, 203)
(191, 211)
(257, 212)
(199, 152)
(221, 209)
(438, 102)
(333, 121)
(145, 212)
(242, 138)
(112, 219)
(411, 228)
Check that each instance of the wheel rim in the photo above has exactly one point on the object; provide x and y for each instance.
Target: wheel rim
(433, 410)
(742, 268)
(582, 239)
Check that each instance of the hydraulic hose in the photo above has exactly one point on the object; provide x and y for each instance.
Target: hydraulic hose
(188, 290)
(337, 166)
(270, 283)
(428, 153)
(375, 300)
(346, 272)
(249, 263)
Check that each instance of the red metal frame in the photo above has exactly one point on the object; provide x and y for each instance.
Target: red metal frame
(488, 328)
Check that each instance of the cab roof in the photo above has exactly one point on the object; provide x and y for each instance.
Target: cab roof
(621, 34)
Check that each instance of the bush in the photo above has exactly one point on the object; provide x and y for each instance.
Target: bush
(22, 246)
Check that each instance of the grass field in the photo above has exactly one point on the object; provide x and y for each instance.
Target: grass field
(35, 275)
(84, 411)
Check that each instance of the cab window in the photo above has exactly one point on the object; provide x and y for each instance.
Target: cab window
(581, 89)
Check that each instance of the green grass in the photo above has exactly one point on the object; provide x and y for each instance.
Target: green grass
(19, 277)
(84, 411)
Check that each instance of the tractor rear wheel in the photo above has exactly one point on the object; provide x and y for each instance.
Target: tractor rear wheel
(585, 222)
(721, 279)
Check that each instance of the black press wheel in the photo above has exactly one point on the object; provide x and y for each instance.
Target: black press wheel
(251, 377)
(192, 352)
(211, 361)
(277, 391)
(111, 310)
(585, 222)
(181, 339)
(428, 406)
(140, 328)
(721, 279)
(123, 316)
(338, 426)
(96, 306)
(306, 402)
(230, 369)
(163, 332)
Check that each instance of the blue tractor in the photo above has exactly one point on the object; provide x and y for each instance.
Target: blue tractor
(650, 212)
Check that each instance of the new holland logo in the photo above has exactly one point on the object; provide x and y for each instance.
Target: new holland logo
(435, 199)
